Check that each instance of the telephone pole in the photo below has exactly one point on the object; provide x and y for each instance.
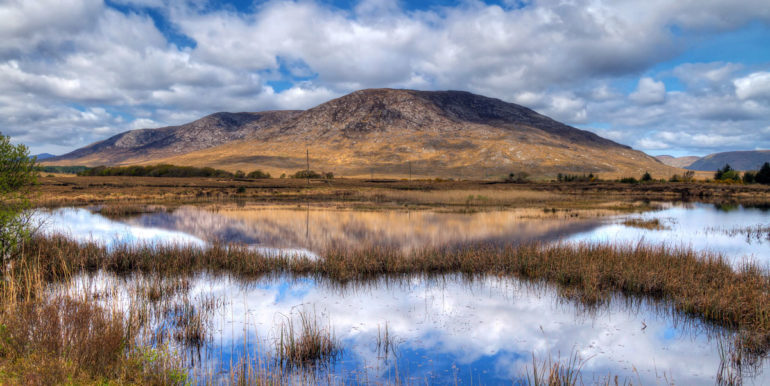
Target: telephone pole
(410, 171)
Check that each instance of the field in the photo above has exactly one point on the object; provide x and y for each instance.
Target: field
(58, 191)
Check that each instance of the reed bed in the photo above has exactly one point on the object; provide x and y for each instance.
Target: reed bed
(699, 284)
(125, 210)
(66, 335)
(57, 337)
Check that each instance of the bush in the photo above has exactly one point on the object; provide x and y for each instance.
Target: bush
(646, 177)
(688, 176)
(763, 175)
(62, 169)
(18, 173)
(629, 180)
(307, 174)
(239, 174)
(520, 177)
(727, 173)
(155, 171)
(258, 174)
(575, 178)
(749, 177)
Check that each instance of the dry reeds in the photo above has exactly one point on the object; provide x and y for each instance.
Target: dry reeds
(652, 224)
(700, 284)
(302, 341)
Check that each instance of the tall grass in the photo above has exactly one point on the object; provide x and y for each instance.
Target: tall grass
(65, 335)
(55, 337)
(303, 341)
(700, 284)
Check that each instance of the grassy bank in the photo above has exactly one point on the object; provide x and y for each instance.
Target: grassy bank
(60, 191)
(699, 284)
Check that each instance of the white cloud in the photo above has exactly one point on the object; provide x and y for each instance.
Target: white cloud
(649, 92)
(560, 58)
(753, 86)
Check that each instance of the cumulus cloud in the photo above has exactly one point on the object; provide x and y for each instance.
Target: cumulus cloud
(649, 92)
(66, 57)
(753, 86)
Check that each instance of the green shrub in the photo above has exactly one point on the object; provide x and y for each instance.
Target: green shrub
(763, 175)
(306, 174)
(18, 173)
(258, 174)
(727, 173)
(163, 170)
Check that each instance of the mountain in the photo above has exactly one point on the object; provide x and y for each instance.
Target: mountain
(147, 144)
(677, 162)
(43, 156)
(739, 160)
(387, 133)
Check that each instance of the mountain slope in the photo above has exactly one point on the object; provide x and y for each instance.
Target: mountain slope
(739, 160)
(146, 144)
(678, 162)
(385, 132)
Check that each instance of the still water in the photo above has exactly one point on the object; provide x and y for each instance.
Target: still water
(450, 329)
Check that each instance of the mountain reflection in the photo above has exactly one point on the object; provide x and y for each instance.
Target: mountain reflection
(315, 229)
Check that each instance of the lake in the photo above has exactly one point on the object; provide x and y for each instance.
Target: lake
(441, 329)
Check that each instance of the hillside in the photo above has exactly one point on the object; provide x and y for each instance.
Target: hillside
(677, 162)
(147, 144)
(739, 160)
(385, 133)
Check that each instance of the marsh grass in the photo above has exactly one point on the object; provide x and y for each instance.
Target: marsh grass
(57, 337)
(569, 372)
(650, 224)
(752, 233)
(697, 284)
(302, 341)
(125, 210)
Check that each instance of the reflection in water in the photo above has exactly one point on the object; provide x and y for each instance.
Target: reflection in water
(699, 226)
(447, 329)
(315, 229)
(306, 231)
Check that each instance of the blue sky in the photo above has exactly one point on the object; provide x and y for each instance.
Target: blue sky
(680, 78)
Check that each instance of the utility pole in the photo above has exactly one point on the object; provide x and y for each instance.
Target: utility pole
(307, 155)
(410, 171)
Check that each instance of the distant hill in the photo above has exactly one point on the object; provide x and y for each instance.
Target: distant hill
(385, 133)
(147, 144)
(739, 160)
(43, 156)
(677, 162)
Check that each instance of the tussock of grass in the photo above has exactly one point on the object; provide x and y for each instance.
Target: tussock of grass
(302, 341)
(653, 224)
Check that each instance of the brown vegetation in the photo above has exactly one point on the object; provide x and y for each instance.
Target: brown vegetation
(653, 224)
(59, 191)
(700, 284)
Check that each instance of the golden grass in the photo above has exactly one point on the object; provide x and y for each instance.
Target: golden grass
(651, 224)
(700, 284)
(302, 341)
